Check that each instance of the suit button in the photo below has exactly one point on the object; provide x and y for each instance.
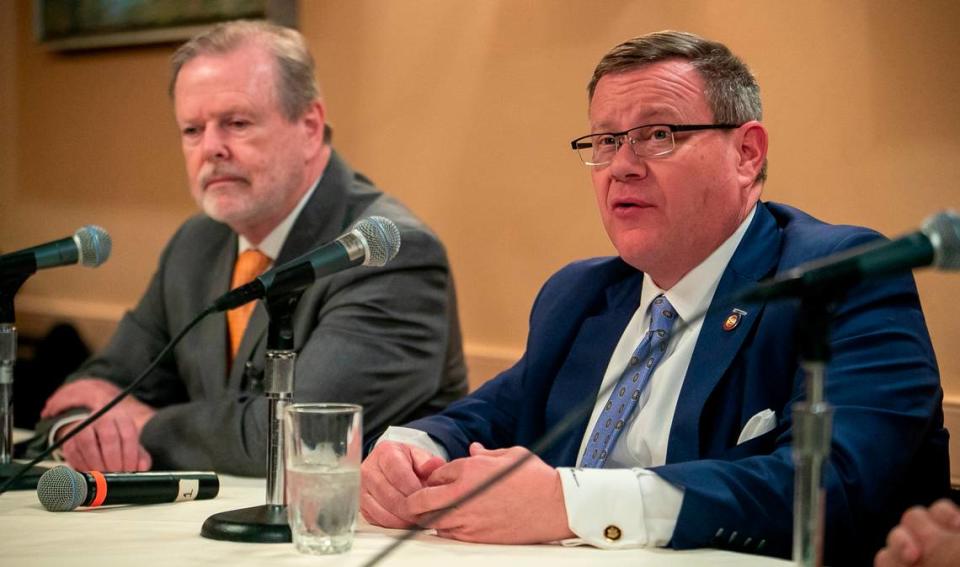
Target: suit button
(612, 533)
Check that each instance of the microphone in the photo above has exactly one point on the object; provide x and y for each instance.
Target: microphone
(373, 242)
(937, 243)
(62, 489)
(89, 246)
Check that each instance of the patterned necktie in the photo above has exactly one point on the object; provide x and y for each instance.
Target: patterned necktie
(623, 400)
(250, 264)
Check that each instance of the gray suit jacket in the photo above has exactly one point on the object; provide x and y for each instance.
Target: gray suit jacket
(387, 338)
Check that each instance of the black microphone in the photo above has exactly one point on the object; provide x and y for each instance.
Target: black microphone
(62, 489)
(937, 243)
(373, 242)
(89, 246)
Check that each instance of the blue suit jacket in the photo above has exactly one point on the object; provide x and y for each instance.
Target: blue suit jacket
(889, 447)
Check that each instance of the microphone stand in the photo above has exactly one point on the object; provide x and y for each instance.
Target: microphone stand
(268, 523)
(9, 286)
(812, 429)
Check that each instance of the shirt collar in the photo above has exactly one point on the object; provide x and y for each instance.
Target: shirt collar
(273, 242)
(694, 292)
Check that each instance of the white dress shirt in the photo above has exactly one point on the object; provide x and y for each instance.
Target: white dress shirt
(273, 242)
(643, 506)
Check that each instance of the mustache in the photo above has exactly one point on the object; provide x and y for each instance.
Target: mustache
(206, 177)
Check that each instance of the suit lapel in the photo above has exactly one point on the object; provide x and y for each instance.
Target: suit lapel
(716, 347)
(582, 374)
(212, 333)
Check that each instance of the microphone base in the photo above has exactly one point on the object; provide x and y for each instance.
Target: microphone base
(26, 482)
(260, 524)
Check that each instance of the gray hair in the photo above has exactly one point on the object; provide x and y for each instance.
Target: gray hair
(296, 85)
(732, 91)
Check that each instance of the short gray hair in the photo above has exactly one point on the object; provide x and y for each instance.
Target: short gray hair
(296, 85)
(731, 89)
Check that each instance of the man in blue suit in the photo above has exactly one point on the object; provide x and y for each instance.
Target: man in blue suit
(693, 446)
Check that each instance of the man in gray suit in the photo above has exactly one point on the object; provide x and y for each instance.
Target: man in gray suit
(260, 165)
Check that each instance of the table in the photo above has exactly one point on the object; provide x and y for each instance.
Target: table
(169, 534)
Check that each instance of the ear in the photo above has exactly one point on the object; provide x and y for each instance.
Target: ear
(313, 122)
(752, 139)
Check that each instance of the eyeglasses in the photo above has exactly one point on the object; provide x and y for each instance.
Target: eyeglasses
(647, 141)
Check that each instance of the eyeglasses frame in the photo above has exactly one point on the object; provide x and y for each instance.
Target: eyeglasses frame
(577, 144)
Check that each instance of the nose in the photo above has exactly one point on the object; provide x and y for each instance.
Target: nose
(214, 144)
(625, 162)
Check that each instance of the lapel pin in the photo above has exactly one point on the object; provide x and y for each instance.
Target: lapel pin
(733, 319)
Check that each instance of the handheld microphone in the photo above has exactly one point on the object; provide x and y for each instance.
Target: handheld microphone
(373, 242)
(62, 489)
(937, 243)
(89, 246)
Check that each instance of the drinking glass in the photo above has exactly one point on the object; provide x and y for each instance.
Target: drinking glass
(324, 443)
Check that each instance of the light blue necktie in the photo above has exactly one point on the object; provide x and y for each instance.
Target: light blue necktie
(623, 400)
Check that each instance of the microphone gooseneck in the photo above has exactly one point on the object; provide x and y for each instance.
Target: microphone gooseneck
(373, 241)
(936, 244)
(89, 246)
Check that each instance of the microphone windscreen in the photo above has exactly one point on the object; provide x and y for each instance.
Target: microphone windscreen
(943, 230)
(383, 239)
(61, 489)
(94, 245)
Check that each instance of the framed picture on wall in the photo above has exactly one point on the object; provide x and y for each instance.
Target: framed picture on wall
(90, 24)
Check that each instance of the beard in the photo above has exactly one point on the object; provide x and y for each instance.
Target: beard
(247, 198)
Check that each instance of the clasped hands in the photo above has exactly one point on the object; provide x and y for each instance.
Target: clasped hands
(112, 443)
(404, 486)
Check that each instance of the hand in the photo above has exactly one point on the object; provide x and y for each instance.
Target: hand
(390, 473)
(112, 443)
(924, 537)
(525, 507)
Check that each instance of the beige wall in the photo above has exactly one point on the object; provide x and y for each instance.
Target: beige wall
(464, 108)
(8, 112)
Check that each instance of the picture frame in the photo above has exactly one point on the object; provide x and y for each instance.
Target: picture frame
(94, 24)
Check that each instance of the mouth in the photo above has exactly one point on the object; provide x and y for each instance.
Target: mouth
(627, 205)
(223, 179)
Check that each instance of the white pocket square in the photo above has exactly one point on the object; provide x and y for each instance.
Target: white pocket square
(757, 425)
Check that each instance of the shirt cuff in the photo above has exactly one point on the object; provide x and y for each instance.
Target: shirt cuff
(414, 437)
(617, 508)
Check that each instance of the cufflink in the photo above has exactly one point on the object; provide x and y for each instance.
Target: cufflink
(612, 533)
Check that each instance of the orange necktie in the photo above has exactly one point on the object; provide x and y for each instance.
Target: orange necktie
(250, 264)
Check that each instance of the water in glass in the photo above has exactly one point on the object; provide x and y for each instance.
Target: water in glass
(323, 503)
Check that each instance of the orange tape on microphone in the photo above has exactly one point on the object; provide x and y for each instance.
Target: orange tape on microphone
(101, 488)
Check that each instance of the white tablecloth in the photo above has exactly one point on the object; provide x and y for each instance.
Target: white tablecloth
(169, 534)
